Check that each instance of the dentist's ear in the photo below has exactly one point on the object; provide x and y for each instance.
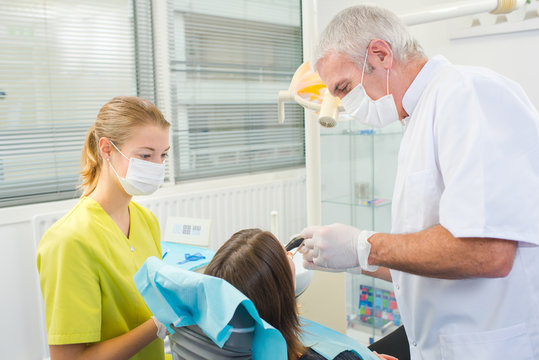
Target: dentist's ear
(382, 54)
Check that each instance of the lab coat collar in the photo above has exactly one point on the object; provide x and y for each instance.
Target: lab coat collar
(414, 92)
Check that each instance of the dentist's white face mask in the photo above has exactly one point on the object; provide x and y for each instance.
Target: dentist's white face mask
(375, 113)
(142, 177)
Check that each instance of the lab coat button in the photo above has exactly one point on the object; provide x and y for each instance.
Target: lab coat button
(397, 286)
(132, 248)
(414, 343)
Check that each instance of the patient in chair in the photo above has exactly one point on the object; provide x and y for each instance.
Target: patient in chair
(257, 264)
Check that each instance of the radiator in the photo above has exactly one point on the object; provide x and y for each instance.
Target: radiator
(235, 208)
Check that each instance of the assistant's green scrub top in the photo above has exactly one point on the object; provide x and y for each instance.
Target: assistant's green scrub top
(86, 267)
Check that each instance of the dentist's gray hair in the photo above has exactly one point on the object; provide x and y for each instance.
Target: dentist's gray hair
(352, 29)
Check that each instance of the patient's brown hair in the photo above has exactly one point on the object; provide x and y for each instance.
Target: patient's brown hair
(255, 262)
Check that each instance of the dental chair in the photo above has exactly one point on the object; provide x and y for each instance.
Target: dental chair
(208, 318)
(190, 342)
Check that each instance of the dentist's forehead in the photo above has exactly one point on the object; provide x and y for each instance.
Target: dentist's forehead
(336, 69)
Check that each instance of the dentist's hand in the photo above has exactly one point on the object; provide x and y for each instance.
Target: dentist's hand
(336, 246)
(312, 266)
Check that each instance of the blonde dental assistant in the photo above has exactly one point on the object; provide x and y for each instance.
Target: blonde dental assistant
(465, 232)
(87, 259)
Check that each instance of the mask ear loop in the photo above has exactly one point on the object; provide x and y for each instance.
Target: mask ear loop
(387, 80)
(108, 159)
(118, 150)
(364, 64)
(363, 72)
(113, 169)
(387, 87)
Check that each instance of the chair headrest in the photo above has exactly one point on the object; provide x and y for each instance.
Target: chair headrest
(179, 298)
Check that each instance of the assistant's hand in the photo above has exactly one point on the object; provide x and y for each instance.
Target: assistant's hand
(337, 246)
(385, 357)
(162, 331)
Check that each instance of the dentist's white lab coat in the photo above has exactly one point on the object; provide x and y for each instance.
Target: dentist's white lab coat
(469, 160)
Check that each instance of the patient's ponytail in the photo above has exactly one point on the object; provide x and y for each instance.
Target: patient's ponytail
(90, 163)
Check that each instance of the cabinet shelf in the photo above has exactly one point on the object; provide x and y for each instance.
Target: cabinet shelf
(362, 133)
(346, 200)
(359, 166)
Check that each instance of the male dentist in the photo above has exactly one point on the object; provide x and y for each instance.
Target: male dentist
(463, 254)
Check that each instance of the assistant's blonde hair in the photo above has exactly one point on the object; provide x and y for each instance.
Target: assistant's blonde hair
(116, 121)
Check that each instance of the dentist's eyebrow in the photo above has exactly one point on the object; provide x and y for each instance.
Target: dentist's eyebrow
(338, 86)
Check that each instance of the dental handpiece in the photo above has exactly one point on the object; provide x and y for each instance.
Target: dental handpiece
(294, 243)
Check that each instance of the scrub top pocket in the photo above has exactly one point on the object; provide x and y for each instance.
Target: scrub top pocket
(503, 344)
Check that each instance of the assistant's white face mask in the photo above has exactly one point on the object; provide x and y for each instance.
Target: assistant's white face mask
(142, 177)
(375, 113)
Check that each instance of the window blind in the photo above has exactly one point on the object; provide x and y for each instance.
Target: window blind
(229, 61)
(61, 60)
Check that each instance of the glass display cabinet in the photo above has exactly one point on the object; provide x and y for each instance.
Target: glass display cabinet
(358, 169)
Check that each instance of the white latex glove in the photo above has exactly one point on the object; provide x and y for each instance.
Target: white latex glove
(162, 331)
(337, 247)
(312, 266)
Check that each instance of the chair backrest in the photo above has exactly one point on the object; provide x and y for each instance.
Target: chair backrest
(190, 343)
